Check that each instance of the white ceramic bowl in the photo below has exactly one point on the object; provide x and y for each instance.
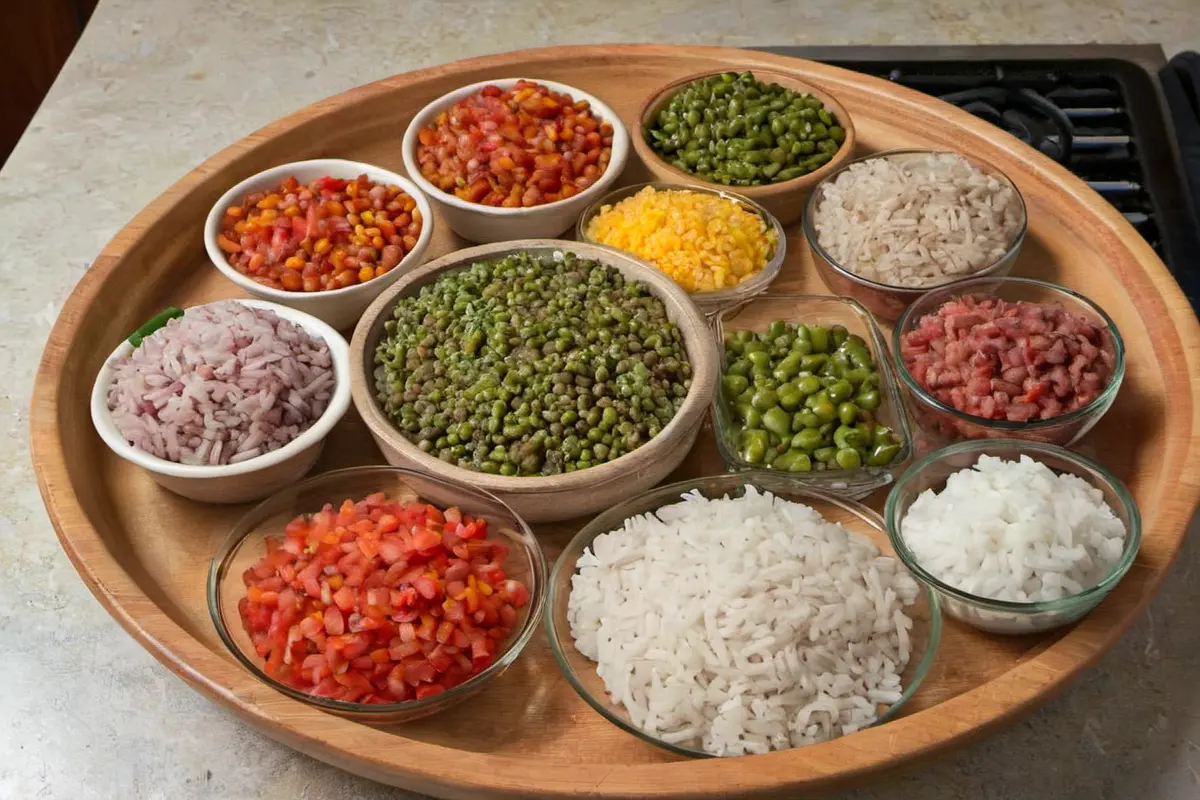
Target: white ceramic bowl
(486, 224)
(254, 478)
(341, 308)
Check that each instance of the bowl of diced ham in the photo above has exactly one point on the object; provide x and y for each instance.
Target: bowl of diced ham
(1008, 357)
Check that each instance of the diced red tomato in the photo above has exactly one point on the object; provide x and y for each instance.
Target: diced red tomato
(380, 601)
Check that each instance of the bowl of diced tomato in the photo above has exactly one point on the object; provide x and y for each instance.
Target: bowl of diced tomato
(378, 593)
(514, 158)
(324, 236)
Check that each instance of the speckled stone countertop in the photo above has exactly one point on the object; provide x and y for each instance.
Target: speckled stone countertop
(154, 88)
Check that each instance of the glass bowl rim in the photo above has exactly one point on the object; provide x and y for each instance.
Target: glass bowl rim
(884, 358)
(810, 233)
(233, 540)
(1102, 400)
(1093, 594)
(728, 482)
(755, 284)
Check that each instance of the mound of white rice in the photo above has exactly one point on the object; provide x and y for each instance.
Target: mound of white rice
(223, 383)
(917, 219)
(1014, 530)
(743, 625)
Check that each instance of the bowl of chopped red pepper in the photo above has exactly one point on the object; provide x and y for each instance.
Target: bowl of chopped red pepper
(514, 158)
(324, 236)
(378, 593)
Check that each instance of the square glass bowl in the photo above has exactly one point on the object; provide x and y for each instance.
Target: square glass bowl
(756, 315)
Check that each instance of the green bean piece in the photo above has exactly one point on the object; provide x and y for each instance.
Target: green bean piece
(847, 458)
(840, 390)
(735, 384)
(848, 413)
(764, 398)
(790, 397)
(883, 454)
(825, 455)
(752, 417)
(808, 439)
(868, 399)
(754, 445)
(778, 422)
(750, 130)
(819, 336)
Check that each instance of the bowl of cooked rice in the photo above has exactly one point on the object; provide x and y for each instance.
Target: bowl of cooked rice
(887, 228)
(721, 247)
(226, 402)
(1015, 537)
(686, 618)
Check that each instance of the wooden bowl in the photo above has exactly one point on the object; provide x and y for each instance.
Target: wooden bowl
(573, 494)
(785, 200)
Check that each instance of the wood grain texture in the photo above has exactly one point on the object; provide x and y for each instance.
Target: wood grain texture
(144, 552)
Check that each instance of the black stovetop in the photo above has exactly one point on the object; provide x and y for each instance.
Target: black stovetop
(1099, 110)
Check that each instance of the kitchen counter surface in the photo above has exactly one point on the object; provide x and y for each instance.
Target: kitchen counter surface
(153, 89)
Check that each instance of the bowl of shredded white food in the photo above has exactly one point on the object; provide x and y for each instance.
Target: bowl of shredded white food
(729, 616)
(1014, 536)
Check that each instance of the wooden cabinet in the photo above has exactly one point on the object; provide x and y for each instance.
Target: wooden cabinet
(35, 39)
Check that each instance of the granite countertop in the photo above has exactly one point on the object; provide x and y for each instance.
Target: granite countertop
(152, 90)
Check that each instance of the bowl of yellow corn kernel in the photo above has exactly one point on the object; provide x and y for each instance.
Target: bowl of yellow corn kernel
(722, 248)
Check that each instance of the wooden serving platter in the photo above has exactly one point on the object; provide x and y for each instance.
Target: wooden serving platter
(144, 552)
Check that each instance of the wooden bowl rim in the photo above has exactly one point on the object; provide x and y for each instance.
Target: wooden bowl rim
(698, 340)
(661, 95)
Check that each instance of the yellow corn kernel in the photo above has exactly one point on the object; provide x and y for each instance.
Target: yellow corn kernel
(372, 232)
(237, 212)
(240, 226)
(268, 215)
(368, 217)
(335, 581)
(365, 274)
(270, 201)
(377, 242)
(353, 219)
(294, 262)
(292, 211)
(359, 230)
(338, 256)
(334, 208)
(322, 246)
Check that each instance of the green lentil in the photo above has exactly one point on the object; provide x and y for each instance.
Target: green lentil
(531, 365)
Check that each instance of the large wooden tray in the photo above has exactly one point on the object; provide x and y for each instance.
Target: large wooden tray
(144, 552)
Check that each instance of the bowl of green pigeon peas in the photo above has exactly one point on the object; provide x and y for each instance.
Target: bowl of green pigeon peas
(807, 388)
(764, 133)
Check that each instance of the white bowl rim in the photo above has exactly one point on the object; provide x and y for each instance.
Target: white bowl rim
(334, 167)
(620, 147)
(339, 403)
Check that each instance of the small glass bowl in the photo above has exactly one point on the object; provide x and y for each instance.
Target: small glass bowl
(1001, 616)
(885, 301)
(708, 302)
(580, 671)
(756, 315)
(245, 544)
(939, 419)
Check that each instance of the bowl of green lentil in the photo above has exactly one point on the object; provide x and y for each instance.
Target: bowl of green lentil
(807, 388)
(765, 134)
(560, 376)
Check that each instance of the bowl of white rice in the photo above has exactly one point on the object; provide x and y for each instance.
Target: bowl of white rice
(887, 228)
(1014, 536)
(228, 403)
(734, 615)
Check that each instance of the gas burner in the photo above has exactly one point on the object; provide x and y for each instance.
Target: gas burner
(1022, 112)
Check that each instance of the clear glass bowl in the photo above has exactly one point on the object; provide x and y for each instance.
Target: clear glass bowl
(580, 671)
(1000, 616)
(885, 301)
(714, 301)
(943, 421)
(756, 315)
(245, 544)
